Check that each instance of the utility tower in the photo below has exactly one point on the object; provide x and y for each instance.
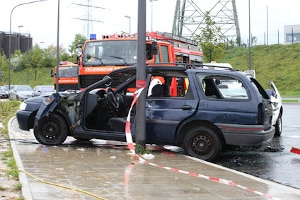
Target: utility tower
(88, 17)
(189, 18)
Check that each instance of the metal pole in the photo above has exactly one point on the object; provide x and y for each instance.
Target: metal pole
(292, 35)
(152, 14)
(129, 21)
(19, 37)
(250, 40)
(9, 39)
(141, 75)
(28, 38)
(57, 48)
(267, 25)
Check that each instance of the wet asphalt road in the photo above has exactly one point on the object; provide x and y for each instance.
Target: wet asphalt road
(101, 169)
(273, 161)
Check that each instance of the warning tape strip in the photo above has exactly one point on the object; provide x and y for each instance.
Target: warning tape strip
(141, 160)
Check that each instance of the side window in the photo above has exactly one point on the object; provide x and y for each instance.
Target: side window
(164, 54)
(223, 87)
(168, 87)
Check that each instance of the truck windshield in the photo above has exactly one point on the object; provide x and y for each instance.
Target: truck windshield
(110, 52)
(68, 72)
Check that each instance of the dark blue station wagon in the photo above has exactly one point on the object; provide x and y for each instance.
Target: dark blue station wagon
(201, 110)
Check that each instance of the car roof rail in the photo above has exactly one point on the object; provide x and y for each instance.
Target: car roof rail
(209, 66)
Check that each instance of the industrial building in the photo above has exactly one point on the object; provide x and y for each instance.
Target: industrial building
(19, 41)
(291, 34)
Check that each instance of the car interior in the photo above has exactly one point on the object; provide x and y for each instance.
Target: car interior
(101, 113)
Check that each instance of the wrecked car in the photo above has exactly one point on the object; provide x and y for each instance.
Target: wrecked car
(200, 110)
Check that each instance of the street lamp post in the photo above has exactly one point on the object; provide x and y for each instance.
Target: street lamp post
(250, 39)
(21, 26)
(57, 47)
(152, 14)
(9, 39)
(129, 19)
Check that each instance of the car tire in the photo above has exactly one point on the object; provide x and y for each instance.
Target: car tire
(202, 143)
(51, 130)
(278, 126)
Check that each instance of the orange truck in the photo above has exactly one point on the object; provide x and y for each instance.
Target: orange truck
(68, 76)
(98, 57)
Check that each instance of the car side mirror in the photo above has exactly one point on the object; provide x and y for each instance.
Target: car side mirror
(51, 73)
(78, 51)
(154, 48)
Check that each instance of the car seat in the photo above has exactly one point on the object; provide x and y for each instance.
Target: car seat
(157, 91)
(91, 103)
(166, 90)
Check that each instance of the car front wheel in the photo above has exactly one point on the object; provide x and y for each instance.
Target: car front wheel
(51, 130)
(202, 143)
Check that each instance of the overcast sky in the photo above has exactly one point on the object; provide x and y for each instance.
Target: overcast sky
(40, 19)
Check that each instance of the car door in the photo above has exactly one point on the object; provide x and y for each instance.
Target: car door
(276, 101)
(165, 113)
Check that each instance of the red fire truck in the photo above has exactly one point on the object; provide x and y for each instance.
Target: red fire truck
(68, 76)
(98, 57)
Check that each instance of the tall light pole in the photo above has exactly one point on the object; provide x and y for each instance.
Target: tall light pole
(129, 20)
(9, 39)
(250, 39)
(57, 47)
(21, 26)
(141, 76)
(152, 14)
(267, 25)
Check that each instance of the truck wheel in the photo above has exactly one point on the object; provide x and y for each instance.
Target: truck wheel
(51, 130)
(202, 143)
(278, 126)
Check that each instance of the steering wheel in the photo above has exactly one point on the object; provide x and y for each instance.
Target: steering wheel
(112, 98)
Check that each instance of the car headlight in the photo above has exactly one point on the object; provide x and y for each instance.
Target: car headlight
(22, 106)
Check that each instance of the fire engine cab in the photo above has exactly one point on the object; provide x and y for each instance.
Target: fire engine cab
(98, 57)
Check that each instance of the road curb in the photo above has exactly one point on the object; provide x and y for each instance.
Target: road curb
(22, 176)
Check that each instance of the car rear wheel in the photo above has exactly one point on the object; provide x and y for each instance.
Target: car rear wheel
(278, 126)
(51, 130)
(202, 143)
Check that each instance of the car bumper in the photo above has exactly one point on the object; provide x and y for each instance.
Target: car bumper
(246, 135)
(4, 96)
(25, 119)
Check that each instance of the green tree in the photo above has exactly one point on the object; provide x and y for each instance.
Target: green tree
(16, 61)
(3, 69)
(51, 52)
(211, 40)
(34, 61)
(78, 41)
(50, 56)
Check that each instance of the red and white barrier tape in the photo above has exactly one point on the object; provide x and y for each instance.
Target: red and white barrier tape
(142, 160)
(127, 126)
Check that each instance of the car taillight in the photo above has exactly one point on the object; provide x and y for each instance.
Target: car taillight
(264, 115)
(261, 111)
